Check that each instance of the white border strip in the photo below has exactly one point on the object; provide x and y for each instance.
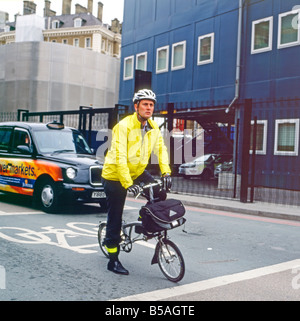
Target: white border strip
(19, 213)
(211, 283)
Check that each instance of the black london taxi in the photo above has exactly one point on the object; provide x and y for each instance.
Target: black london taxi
(50, 162)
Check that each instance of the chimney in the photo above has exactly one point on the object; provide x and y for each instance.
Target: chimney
(4, 17)
(16, 16)
(47, 11)
(100, 11)
(90, 6)
(80, 9)
(66, 6)
(29, 7)
(115, 26)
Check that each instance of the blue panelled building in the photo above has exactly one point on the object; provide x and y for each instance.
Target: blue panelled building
(207, 57)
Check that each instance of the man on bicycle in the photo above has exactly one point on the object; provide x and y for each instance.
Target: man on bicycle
(133, 140)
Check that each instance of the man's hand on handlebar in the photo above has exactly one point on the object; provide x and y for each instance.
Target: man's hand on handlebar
(150, 190)
(167, 182)
(134, 189)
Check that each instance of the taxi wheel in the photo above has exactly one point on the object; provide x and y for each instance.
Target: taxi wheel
(47, 196)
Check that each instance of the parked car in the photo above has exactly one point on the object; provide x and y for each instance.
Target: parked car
(203, 166)
(50, 162)
(223, 167)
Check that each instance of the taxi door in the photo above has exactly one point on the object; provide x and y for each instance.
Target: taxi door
(16, 164)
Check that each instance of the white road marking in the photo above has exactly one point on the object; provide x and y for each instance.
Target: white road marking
(146, 244)
(211, 283)
(2, 213)
(19, 213)
(126, 207)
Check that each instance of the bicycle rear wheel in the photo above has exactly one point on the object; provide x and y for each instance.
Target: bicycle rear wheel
(101, 237)
(170, 261)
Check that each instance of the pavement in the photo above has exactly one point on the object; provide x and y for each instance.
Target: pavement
(234, 205)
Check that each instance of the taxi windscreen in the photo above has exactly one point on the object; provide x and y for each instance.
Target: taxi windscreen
(61, 141)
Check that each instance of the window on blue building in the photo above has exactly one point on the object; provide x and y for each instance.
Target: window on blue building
(141, 61)
(205, 49)
(162, 59)
(288, 29)
(128, 68)
(178, 55)
(261, 137)
(262, 31)
(286, 137)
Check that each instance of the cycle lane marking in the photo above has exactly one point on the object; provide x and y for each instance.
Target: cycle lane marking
(195, 287)
(58, 236)
(38, 237)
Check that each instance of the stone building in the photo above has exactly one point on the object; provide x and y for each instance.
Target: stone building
(77, 64)
(81, 29)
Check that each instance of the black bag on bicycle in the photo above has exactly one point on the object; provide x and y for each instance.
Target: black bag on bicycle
(163, 215)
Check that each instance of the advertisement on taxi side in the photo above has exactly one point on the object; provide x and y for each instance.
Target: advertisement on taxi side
(49, 162)
(19, 175)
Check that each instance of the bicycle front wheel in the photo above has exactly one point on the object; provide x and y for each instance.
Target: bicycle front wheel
(170, 261)
(101, 237)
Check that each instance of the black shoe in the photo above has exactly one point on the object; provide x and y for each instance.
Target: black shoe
(117, 267)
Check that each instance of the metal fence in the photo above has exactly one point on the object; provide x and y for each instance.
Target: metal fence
(8, 116)
(269, 146)
(273, 173)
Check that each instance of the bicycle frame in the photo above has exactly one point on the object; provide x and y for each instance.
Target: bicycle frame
(128, 240)
(126, 236)
(166, 254)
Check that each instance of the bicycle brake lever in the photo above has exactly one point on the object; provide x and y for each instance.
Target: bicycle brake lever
(140, 193)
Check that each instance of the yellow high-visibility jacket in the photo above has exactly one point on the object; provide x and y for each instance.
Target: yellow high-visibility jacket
(130, 151)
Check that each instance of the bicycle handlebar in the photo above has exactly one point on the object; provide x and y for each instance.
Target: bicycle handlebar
(149, 186)
(157, 183)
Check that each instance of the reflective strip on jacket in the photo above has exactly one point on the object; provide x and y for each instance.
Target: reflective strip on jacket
(130, 151)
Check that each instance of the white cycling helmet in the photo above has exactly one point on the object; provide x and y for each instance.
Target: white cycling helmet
(144, 94)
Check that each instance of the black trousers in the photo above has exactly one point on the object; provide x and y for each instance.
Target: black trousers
(115, 197)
